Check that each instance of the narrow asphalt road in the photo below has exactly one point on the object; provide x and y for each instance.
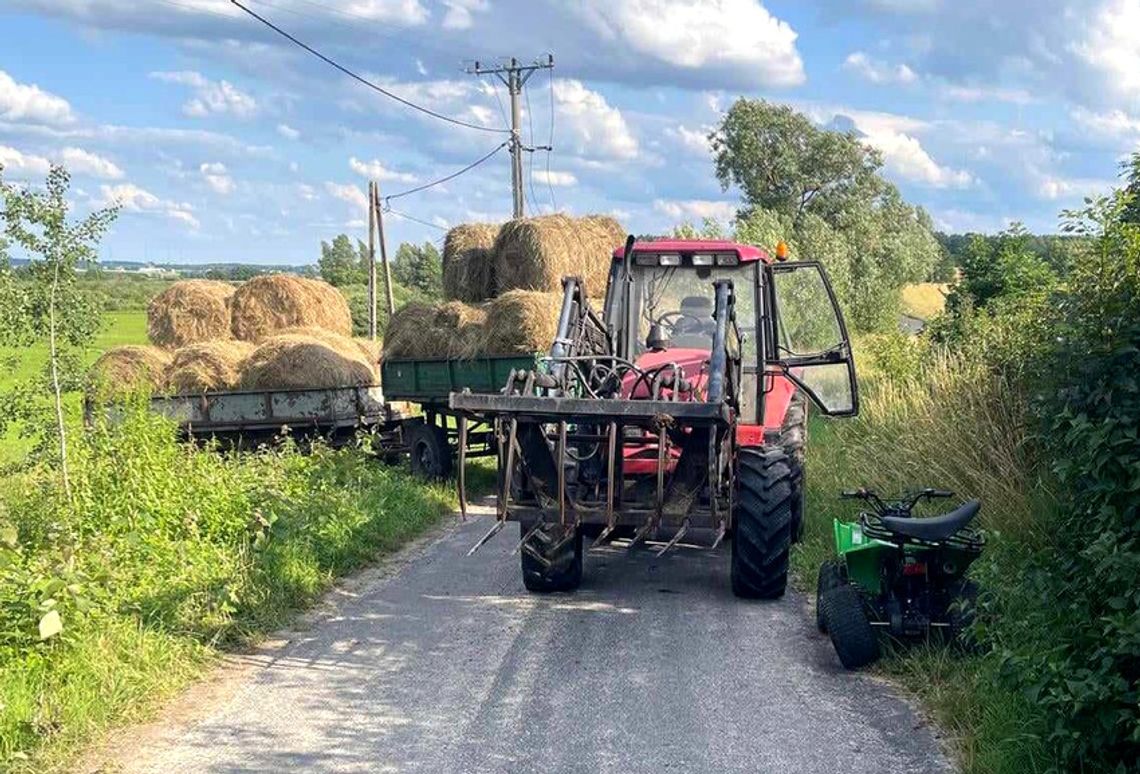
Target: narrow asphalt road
(448, 665)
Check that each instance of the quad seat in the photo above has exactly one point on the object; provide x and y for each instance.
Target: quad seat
(935, 527)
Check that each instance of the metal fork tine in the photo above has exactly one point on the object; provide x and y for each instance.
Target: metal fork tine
(675, 539)
(601, 538)
(719, 535)
(490, 534)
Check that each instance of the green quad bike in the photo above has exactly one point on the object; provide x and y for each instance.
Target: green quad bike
(898, 573)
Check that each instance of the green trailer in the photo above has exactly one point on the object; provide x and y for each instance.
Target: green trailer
(431, 438)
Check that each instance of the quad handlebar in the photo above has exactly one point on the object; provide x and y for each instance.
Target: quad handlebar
(900, 506)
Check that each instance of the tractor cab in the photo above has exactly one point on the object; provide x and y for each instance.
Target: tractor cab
(789, 328)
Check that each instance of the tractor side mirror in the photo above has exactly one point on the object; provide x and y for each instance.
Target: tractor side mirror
(657, 340)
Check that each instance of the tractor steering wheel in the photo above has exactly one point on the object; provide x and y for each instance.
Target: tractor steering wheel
(673, 320)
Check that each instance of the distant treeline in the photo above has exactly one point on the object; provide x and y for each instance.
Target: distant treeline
(1056, 250)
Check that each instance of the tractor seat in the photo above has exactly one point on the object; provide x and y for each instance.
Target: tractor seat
(936, 527)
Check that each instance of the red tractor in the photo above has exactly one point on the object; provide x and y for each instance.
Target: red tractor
(679, 408)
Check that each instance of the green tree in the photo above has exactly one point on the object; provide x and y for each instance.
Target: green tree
(50, 305)
(341, 264)
(1131, 194)
(783, 162)
(1001, 267)
(419, 267)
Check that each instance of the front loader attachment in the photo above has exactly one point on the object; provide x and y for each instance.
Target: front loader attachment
(581, 450)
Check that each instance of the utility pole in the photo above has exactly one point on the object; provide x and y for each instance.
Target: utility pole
(515, 76)
(379, 212)
(371, 261)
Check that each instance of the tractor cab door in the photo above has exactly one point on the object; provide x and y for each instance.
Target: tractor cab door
(808, 339)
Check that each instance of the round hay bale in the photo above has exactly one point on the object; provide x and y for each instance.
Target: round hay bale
(521, 322)
(536, 253)
(464, 328)
(354, 347)
(370, 349)
(469, 262)
(208, 366)
(271, 303)
(296, 362)
(124, 370)
(412, 333)
(189, 311)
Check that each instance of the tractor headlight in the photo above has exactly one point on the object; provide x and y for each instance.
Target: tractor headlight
(703, 259)
(727, 259)
(644, 259)
(670, 259)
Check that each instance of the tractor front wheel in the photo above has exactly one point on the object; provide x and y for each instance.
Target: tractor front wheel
(762, 531)
(793, 437)
(849, 627)
(830, 576)
(551, 558)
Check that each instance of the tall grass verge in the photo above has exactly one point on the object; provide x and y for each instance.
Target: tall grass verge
(164, 554)
(948, 423)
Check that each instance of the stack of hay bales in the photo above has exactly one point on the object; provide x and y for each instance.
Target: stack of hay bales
(469, 262)
(276, 331)
(513, 274)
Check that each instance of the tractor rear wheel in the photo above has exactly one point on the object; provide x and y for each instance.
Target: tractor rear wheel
(830, 576)
(849, 627)
(793, 437)
(761, 535)
(551, 558)
(430, 452)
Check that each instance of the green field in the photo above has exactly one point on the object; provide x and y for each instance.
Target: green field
(20, 364)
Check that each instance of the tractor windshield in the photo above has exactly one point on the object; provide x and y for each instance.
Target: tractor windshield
(675, 305)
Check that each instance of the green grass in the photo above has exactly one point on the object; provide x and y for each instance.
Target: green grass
(164, 555)
(957, 427)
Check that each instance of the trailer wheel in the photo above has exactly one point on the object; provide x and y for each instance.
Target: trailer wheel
(762, 536)
(850, 629)
(430, 452)
(830, 576)
(560, 566)
(793, 437)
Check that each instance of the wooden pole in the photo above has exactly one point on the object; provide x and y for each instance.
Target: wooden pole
(384, 253)
(372, 261)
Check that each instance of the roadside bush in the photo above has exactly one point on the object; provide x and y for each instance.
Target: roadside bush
(114, 597)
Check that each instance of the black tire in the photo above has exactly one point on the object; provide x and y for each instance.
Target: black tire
(830, 577)
(849, 628)
(564, 572)
(430, 452)
(762, 533)
(793, 438)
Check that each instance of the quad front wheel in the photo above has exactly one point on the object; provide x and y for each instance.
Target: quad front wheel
(551, 558)
(830, 576)
(849, 627)
(762, 532)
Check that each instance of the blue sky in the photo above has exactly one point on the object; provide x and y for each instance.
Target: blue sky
(224, 142)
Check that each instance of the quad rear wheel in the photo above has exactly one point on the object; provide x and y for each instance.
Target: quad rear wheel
(551, 558)
(849, 627)
(762, 533)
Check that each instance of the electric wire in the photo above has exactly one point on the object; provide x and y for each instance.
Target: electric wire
(550, 144)
(530, 166)
(413, 218)
(361, 79)
(452, 176)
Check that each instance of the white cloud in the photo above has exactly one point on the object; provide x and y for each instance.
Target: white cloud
(877, 71)
(28, 102)
(288, 132)
(696, 209)
(81, 162)
(694, 141)
(217, 177)
(1115, 124)
(458, 16)
(592, 127)
(554, 177)
(739, 36)
(210, 97)
(351, 194)
(1052, 186)
(1111, 47)
(374, 170)
(23, 163)
(76, 160)
(987, 94)
(894, 137)
(135, 199)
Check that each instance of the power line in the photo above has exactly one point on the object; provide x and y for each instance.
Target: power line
(414, 219)
(452, 176)
(550, 144)
(362, 79)
(530, 167)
